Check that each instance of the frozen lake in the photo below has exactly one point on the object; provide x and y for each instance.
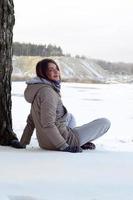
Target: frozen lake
(103, 174)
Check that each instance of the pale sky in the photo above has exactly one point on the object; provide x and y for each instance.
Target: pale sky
(100, 29)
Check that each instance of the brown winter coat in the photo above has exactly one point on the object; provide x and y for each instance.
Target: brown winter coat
(49, 118)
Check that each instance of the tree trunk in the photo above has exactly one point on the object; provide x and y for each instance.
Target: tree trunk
(6, 27)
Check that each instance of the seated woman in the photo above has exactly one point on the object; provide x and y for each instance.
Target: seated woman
(55, 127)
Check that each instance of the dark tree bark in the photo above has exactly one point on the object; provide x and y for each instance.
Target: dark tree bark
(6, 33)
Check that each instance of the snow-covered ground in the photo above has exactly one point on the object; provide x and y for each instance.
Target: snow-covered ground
(103, 174)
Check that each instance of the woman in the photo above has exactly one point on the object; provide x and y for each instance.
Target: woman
(48, 115)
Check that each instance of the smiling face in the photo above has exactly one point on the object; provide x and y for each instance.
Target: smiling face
(53, 72)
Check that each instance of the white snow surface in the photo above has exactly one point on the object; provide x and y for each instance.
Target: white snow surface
(102, 174)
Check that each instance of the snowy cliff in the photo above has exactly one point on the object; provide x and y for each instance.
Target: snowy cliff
(72, 69)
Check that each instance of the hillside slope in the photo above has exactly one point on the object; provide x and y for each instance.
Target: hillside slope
(72, 69)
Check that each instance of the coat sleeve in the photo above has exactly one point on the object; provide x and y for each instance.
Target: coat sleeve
(28, 131)
(49, 103)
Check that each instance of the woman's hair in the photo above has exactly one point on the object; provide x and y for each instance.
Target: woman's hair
(42, 67)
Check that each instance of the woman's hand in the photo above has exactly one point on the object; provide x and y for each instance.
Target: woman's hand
(16, 144)
(73, 149)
